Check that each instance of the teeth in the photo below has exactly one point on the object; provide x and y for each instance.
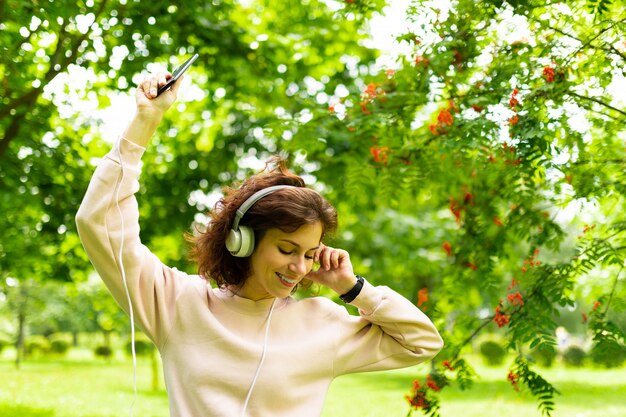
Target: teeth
(284, 278)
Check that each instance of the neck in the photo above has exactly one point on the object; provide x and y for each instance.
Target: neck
(241, 292)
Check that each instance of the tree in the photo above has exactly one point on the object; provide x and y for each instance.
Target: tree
(468, 162)
(62, 61)
(464, 161)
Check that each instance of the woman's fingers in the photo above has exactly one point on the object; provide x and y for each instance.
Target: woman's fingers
(334, 258)
(147, 92)
(325, 258)
(329, 258)
(335, 269)
(150, 85)
(162, 80)
(147, 86)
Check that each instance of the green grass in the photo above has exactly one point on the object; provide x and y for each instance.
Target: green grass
(79, 386)
(584, 393)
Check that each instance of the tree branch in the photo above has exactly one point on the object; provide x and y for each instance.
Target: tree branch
(608, 303)
(11, 131)
(20, 101)
(590, 108)
(30, 97)
(472, 336)
(595, 100)
(600, 33)
(605, 161)
(610, 48)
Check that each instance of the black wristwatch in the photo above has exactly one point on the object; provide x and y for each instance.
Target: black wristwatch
(356, 290)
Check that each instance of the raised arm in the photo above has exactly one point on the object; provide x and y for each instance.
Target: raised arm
(108, 220)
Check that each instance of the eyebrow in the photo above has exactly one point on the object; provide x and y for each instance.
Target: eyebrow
(296, 245)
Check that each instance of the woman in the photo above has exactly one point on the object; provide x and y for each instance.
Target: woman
(244, 346)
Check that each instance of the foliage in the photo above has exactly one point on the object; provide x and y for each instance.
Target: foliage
(492, 352)
(482, 170)
(422, 397)
(103, 351)
(538, 386)
(609, 358)
(490, 157)
(59, 343)
(544, 355)
(248, 59)
(574, 356)
(37, 345)
(143, 345)
(465, 374)
(609, 347)
(61, 62)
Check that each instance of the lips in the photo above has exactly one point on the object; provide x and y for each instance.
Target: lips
(288, 282)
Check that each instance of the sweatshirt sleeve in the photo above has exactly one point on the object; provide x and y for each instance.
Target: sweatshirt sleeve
(390, 333)
(107, 222)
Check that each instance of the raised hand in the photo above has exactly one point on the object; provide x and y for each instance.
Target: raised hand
(335, 269)
(146, 95)
(150, 108)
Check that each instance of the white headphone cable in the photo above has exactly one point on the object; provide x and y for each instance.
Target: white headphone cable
(121, 262)
(258, 369)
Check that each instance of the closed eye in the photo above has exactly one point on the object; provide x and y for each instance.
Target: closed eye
(284, 252)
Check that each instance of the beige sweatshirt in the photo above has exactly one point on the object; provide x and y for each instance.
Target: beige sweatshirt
(211, 340)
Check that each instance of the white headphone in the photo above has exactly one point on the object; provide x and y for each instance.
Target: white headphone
(240, 240)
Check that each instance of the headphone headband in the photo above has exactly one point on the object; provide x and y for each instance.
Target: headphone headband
(253, 199)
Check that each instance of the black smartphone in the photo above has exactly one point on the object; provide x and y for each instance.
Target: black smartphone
(177, 73)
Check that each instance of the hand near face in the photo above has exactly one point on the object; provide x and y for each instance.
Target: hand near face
(335, 269)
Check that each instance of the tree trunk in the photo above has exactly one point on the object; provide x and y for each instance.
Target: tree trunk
(20, 352)
(107, 338)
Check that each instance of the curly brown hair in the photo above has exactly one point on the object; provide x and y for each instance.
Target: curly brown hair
(286, 209)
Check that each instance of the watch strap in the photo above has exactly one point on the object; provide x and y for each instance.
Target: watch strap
(354, 292)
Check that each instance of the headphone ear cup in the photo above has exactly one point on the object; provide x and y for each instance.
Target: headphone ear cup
(240, 243)
(233, 241)
(247, 241)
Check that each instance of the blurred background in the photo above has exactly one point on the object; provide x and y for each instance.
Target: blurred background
(476, 153)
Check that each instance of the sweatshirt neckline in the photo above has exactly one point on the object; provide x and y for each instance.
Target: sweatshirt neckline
(245, 305)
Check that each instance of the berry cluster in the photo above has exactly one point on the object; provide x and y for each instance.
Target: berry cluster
(548, 73)
(370, 93)
(513, 102)
(514, 299)
(444, 119)
(420, 396)
(513, 379)
(500, 318)
(531, 261)
(380, 154)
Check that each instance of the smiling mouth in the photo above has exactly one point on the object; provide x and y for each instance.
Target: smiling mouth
(286, 281)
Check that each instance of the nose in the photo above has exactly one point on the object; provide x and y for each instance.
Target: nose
(299, 266)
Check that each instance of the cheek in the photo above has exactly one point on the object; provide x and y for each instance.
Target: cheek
(276, 260)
